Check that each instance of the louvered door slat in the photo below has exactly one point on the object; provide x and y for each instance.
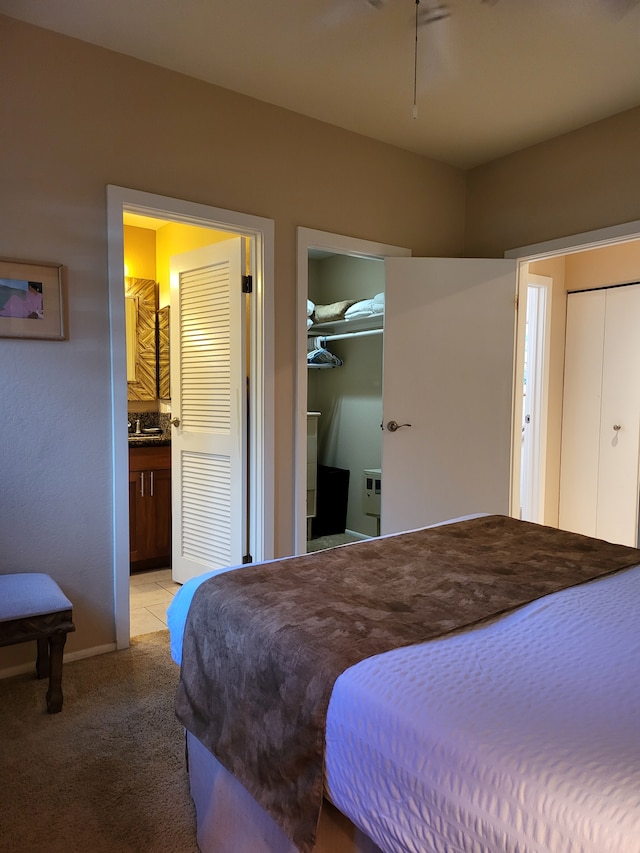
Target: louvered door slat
(209, 446)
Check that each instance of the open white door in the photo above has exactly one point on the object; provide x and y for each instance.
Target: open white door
(208, 398)
(448, 372)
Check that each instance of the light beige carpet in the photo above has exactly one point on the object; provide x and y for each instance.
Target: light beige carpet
(108, 773)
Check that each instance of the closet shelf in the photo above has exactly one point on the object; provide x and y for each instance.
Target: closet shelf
(375, 321)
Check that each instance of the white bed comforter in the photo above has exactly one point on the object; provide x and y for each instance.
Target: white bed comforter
(519, 737)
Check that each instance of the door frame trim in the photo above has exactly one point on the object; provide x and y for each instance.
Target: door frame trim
(261, 394)
(336, 244)
(599, 238)
(523, 255)
(540, 347)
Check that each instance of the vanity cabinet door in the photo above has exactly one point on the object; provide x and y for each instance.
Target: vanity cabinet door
(149, 507)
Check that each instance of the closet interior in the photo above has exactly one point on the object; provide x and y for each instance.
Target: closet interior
(345, 324)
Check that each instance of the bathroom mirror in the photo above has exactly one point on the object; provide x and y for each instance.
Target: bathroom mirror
(131, 323)
(164, 392)
(143, 293)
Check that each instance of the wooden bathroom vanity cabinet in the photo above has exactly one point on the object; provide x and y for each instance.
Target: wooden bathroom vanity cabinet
(149, 507)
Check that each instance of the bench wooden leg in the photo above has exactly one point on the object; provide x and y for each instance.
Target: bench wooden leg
(42, 661)
(54, 694)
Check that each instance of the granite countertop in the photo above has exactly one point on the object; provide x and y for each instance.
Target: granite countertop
(148, 440)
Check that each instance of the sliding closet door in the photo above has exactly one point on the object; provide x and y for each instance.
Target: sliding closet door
(601, 415)
(620, 422)
(581, 411)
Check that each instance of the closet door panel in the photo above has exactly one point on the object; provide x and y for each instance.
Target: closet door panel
(617, 516)
(581, 411)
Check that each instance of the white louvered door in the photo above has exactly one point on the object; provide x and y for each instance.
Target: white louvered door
(208, 396)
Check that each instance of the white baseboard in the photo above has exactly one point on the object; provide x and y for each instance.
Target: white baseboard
(357, 534)
(89, 653)
(69, 658)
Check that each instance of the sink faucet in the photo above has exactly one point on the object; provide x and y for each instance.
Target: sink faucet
(138, 426)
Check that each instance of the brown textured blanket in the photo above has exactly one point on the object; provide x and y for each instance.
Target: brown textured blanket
(264, 645)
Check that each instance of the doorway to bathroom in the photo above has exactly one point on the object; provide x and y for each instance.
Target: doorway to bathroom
(258, 234)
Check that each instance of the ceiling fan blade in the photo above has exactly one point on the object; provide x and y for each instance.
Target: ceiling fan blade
(341, 12)
(431, 11)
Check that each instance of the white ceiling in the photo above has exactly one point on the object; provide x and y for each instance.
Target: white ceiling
(495, 77)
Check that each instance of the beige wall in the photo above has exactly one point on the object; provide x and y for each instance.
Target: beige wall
(619, 264)
(77, 118)
(578, 182)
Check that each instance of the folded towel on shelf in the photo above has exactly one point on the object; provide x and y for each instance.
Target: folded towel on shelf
(332, 312)
(363, 308)
(360, 310)
(366, 308)
(310, 307)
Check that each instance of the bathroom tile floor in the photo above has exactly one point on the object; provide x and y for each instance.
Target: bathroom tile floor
(150, 593)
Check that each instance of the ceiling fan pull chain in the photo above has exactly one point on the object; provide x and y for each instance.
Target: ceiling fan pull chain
(415, 67)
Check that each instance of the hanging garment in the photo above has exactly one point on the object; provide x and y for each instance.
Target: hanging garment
(319, 356)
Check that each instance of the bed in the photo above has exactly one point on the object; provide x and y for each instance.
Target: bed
(517, 733)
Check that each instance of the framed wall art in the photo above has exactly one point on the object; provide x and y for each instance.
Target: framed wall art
(31, 300)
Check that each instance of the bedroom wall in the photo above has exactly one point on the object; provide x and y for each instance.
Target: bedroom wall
(76, 118)
(580, 181)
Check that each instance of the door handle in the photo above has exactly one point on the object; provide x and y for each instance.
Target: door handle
(394, 426)
(174, 422)
(142, 484)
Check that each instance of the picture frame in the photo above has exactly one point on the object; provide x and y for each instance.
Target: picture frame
(31, 300)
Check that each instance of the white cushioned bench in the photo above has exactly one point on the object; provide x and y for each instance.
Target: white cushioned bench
(33, 607)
